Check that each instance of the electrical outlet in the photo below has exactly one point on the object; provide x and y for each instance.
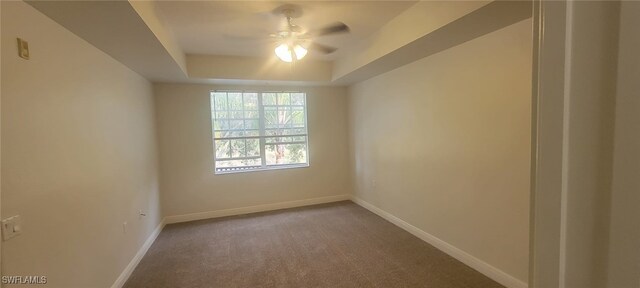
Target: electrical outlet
(124, 227)
(11, 227)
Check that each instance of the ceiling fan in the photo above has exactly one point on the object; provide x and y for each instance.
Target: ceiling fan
(293, 41)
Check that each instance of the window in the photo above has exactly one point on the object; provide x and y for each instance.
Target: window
(259, 130)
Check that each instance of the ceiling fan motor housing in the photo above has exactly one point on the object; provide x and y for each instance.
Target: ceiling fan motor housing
(288, 10)
(294, 35)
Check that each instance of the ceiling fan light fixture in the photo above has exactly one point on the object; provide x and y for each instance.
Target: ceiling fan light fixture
(286, 54)
(299, 51)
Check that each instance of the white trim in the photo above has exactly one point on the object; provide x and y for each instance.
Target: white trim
(566, 113)
(254, 209)
(124, 276)
(260, 169)
(464, 257)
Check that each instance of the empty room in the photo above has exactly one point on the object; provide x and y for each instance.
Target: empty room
(439, 144)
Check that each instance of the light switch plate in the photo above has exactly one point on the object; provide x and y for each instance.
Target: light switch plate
(11, 227)
(23, 49)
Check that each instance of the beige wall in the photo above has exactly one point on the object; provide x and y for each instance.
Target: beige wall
(624, 243)
(420, 19)
(257, 69)
(0, 150)
(188, 182)
(444, 144)
(78, 155)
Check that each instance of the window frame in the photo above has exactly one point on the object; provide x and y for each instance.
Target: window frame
(262, 137)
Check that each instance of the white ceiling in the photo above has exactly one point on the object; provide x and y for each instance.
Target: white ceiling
(241, 27)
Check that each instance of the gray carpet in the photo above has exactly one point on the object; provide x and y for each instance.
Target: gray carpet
(330, 245)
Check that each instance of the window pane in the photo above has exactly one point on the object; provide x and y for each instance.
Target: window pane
(222, 149)
(236, 124)
(285, 140)
(237, 114)
(251, 124)
(221, 115)
(235, 101)
(285, 131)
(268, 98)
(237, 148)
(270, 117)
(283, 154)
(252, 133)
(284, 116)
(297, 99)
(251, 114)
(221, 124)
(251, 101)
(220, 102)
(297, 131)
(297, 117)
(275, 132)
(253, 147)
(229, 133)
(269, 140)
(284, 99)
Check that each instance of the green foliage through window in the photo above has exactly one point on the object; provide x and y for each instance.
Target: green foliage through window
(259, 130)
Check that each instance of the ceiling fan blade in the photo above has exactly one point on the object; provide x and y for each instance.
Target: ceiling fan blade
(322, 48)
(335, 28)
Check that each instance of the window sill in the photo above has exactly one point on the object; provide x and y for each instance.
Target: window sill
(279, 167)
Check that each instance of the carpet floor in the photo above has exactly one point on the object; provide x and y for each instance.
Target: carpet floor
(331, 245)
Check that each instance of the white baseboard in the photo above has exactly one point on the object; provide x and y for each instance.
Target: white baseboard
(464, 257)
(124, 276)
(254, 209)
